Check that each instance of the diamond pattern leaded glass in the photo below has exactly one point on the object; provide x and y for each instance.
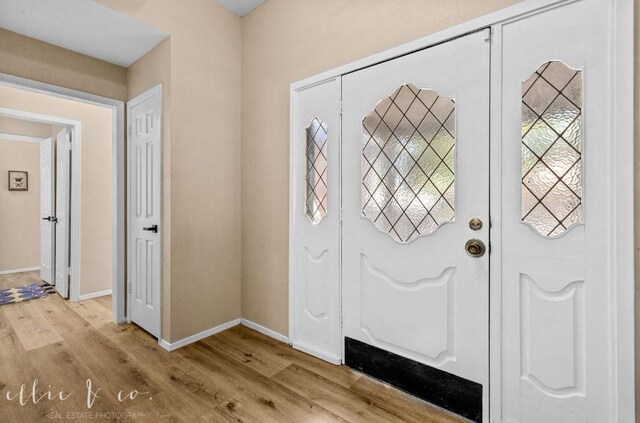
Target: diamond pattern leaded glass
(408, 163)
(552, 149)
(316, 170)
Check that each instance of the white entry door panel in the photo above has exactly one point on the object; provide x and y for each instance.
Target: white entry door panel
(556, 253)
(47, 211)
(415, 172)
(316, 219)
(145, 189)
(63, 212)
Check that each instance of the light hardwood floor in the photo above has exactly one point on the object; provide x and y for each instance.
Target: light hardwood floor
(14, 280)
(238, 375)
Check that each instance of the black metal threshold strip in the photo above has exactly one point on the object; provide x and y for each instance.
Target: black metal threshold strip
(436, 386)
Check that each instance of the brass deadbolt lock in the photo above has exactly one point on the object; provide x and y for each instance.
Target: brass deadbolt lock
(475, 248)
(475, 224)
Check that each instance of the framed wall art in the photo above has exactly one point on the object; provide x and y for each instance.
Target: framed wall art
(18, 180)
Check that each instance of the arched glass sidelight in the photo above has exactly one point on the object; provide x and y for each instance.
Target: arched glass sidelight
(316, 192)
(408, 163)
(551, 158)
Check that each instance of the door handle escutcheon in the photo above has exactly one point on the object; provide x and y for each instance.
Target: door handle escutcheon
(152, 228)
(475, 248)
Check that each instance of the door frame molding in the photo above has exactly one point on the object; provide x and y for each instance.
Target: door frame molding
(151, 92)
(622, 183)
(119, 189)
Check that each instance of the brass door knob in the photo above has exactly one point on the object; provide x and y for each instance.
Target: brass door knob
(475, 248)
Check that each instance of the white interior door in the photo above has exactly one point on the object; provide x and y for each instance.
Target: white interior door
(47, 197)
(415, 175)
(145, 189)
(315, 210)
(63, 212)
(556, 216)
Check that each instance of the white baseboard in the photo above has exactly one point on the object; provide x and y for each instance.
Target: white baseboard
(171, 346)
(95, 294)
(26, 269)
(265, 331)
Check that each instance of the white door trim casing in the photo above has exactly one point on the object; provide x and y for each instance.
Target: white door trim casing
(621, 243)
(152, 92)
(119, 189)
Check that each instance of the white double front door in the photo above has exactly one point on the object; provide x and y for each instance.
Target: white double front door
(395, 217)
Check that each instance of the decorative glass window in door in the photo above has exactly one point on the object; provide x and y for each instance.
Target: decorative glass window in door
(552, 149)
(408, 163)
(316, 192)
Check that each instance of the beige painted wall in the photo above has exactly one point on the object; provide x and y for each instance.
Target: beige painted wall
(204, 169)
(32, 59)
(24, 127)
(96, 207)
(19, 210)
(284, 41)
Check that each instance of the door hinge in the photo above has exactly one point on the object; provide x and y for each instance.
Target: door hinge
(129, 130)
(341, 320)
(129, 288)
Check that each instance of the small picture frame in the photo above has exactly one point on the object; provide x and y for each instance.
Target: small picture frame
(18, 180)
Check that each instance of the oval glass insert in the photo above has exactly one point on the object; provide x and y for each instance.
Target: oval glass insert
(551, 159)
(408, 163)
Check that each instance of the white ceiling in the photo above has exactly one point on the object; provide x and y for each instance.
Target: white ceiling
(82, 26)
(241, 7)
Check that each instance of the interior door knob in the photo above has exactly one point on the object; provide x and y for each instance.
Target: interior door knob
(475, 248)
(152, 228)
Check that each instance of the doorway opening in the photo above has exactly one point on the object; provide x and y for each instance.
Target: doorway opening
(81, 239)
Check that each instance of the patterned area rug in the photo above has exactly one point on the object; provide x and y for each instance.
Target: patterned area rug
(25, 293)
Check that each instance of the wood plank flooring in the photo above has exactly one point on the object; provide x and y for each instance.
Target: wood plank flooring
(13, 280)
(238, 375)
